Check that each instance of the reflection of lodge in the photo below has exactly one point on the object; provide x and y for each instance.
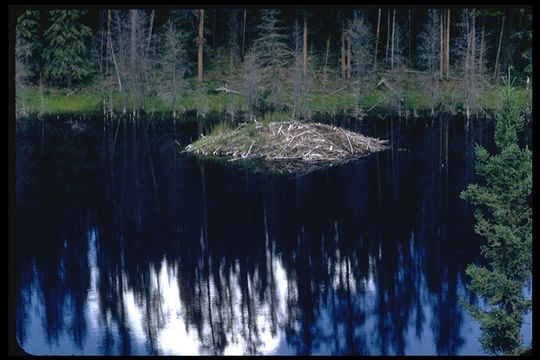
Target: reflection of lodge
(185, 258)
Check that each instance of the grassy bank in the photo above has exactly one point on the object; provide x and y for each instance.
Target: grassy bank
(336, 97)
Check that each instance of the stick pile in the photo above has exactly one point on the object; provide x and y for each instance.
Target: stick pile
(305, 143)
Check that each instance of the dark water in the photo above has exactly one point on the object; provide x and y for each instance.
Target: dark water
(126, 246)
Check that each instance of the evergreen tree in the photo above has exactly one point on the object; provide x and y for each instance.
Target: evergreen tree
(66, 53)
(21, 73)
(504, 218)
(272, 55)
(28, 47)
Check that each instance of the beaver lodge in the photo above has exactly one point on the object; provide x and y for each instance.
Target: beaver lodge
(286, 146)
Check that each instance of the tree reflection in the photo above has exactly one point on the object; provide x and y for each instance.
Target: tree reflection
(181, 256)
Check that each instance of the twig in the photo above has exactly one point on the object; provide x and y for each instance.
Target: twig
(349, 140)
(377, 103)
(249, 150)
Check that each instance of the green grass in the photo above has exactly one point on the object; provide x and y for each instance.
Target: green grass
(274, 116)
(416, 100)
(57, 101)
(223, 135)
(374, 100)
(204, 100)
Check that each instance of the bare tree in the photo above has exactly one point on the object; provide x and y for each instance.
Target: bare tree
(244, 18)
(387, 38)
(129, 36)
(235, 56)
(304, 46)
(133, 37)
(173, 63)
(343, 56)
(377, 41)
(361, 40)
(234, 35)
(447, 43)
(409, 48)
(430, 48)
(393, 39)
(496, 69)
(301, 82)
(470, 55)
(251, 81)
(397, 58)
(430, 58)
(325, 70)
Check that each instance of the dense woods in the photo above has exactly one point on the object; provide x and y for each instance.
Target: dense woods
(290, 60)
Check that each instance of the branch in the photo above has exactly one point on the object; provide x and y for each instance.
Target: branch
(377, 103)
(229, 91)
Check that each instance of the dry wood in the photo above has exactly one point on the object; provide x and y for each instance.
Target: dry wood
(292, 146)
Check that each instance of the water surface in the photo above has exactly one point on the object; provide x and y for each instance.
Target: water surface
(127, 246)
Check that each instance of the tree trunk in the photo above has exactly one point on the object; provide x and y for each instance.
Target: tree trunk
(442, 58)
(214, 30)
(133, 49)
(243, 36)
(348, 41)
(496, 72)
(343, 61)
(447, 52)
(409, 38)
(152, 14)
(201, 46)
(109, 40)
(305, 46)
(387, 37)
(377, 41)
(393, 33)
(473, 45)
(326, 62)
(468, 53)
(482, 49)
(102, 46)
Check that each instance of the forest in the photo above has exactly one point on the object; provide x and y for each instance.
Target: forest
(284, 63)
(296, 180)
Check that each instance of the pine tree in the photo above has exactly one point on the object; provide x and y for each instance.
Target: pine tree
(21, 73)
(504, 218)
(29, 43)
(272, 55)
(66, 53)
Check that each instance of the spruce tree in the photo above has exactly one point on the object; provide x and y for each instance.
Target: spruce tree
(272, 55)
(28, 49)
(504, 218)
(66, 53)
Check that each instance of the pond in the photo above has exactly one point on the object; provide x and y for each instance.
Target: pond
(125, 245)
